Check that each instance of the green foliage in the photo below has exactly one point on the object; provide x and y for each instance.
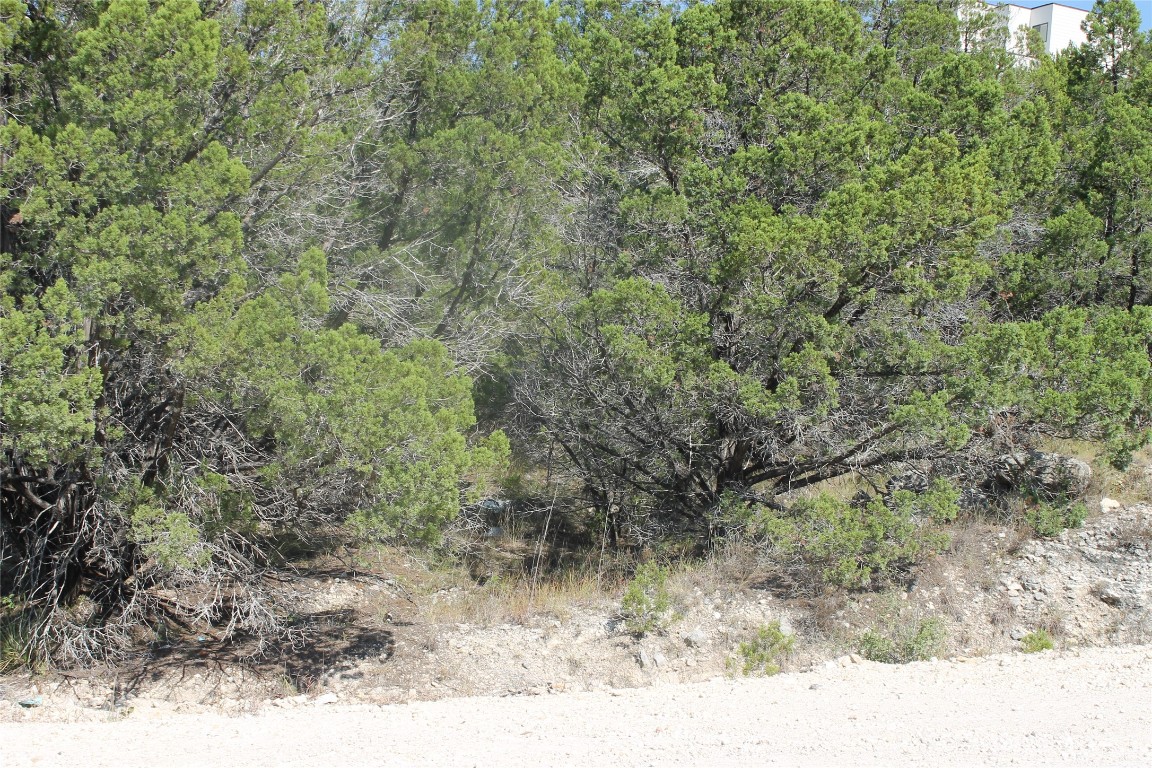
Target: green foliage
(15, 639)
(837, 265)
(762, 654)
(258, 258)
(1083, 372)
(783, 262)
(940, 502)
(180, 380)
(465, 213)
(1050, 519)
(46, 397)
(16, 633)
(851, 546)
(342, 409)
(1036, 641)
(876, 647)
(904, 642)
(647, 605)
(168, 536)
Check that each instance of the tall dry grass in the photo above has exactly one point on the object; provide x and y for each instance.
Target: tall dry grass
(517, 599)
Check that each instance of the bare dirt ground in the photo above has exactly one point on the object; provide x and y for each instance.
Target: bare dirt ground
(1090, 707)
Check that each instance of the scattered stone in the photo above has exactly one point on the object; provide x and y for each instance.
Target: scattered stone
(1108, 505)
(327, 698)
(1049, 472)
(659, 659)
(912, 480)
(1010, 584)
(1017, 633)
(645, 659)
(1110, 595)
(696, 638)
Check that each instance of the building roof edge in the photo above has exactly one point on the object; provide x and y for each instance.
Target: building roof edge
(1037, 7)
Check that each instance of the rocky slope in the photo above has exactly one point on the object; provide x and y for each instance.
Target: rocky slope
(375, 641)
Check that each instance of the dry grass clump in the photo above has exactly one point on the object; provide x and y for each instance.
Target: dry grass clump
(1135, 485)
(966, 568)
(1003, 615)
(1135, 533)
(735, 564)
(824, 616)
(1052, 623)
(513, 599)
(899, 630)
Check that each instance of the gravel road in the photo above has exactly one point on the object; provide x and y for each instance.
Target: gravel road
(1092, 707)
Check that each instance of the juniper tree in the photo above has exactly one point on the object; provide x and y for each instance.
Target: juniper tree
(174, 401)
(809, 216)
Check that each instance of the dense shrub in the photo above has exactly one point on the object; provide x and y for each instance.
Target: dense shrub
(647, 604)
(1036, 641)
(849, 545)
(763, 653)
(1051, 518)
(901, 643)
(255, 255)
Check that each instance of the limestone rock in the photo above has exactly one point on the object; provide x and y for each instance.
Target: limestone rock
(696, 638)
(1048, 473)
(1111, 595)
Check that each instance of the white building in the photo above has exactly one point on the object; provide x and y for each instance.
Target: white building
(1059, 26)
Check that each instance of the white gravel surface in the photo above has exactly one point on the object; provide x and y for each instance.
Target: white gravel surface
(1092, 707)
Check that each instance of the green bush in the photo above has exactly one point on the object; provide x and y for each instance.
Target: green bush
(762, 654)
(647, 606)
(1050, 519)
(1037, 641)
(875, 646)
(15, 636)
(917, 642)
(852, 546)
(939, 502)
